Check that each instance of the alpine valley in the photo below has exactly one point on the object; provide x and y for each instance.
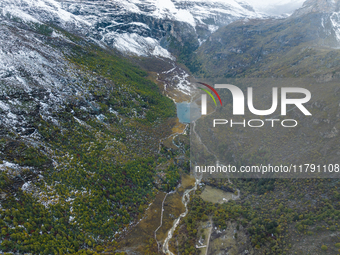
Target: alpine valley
(93, 159)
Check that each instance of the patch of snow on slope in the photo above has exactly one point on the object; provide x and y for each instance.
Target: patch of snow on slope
(183, 84)
(165, 8)
(41, 11)
(129, 6)
(4, 106)
(185, 16)
(15, 12)
(213, 28)
(161, 52)
(177, 78)
(137, 44)
(335, 19)
(139, 24)
(163, 5)
(26, 186)
(7, 164)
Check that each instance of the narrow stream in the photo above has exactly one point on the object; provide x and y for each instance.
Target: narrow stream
(186, 113)
(185, 201)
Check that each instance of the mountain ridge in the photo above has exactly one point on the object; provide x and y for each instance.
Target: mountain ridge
(258, 44)
(139, 25)
(318, 6)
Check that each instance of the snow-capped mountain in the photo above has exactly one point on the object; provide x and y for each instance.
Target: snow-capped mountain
(72, 108)
(137, 27)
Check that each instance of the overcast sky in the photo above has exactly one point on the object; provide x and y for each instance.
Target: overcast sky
(276, 6)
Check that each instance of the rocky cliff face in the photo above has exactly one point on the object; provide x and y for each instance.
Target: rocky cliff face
(141, 28)
(162, 29)
(30, 63)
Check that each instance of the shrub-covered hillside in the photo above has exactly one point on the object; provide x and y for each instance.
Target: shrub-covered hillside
(79, 141)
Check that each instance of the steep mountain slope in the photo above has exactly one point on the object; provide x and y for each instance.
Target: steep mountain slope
(79, 140)
(318, 6)
(272, 216)
(81, 125)
(293, 47)
(139, 26)
(143, 28)
(168, 30)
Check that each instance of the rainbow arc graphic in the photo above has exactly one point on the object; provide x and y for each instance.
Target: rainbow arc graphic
(204, 97)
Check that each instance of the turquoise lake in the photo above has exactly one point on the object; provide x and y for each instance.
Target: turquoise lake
(187, 112)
